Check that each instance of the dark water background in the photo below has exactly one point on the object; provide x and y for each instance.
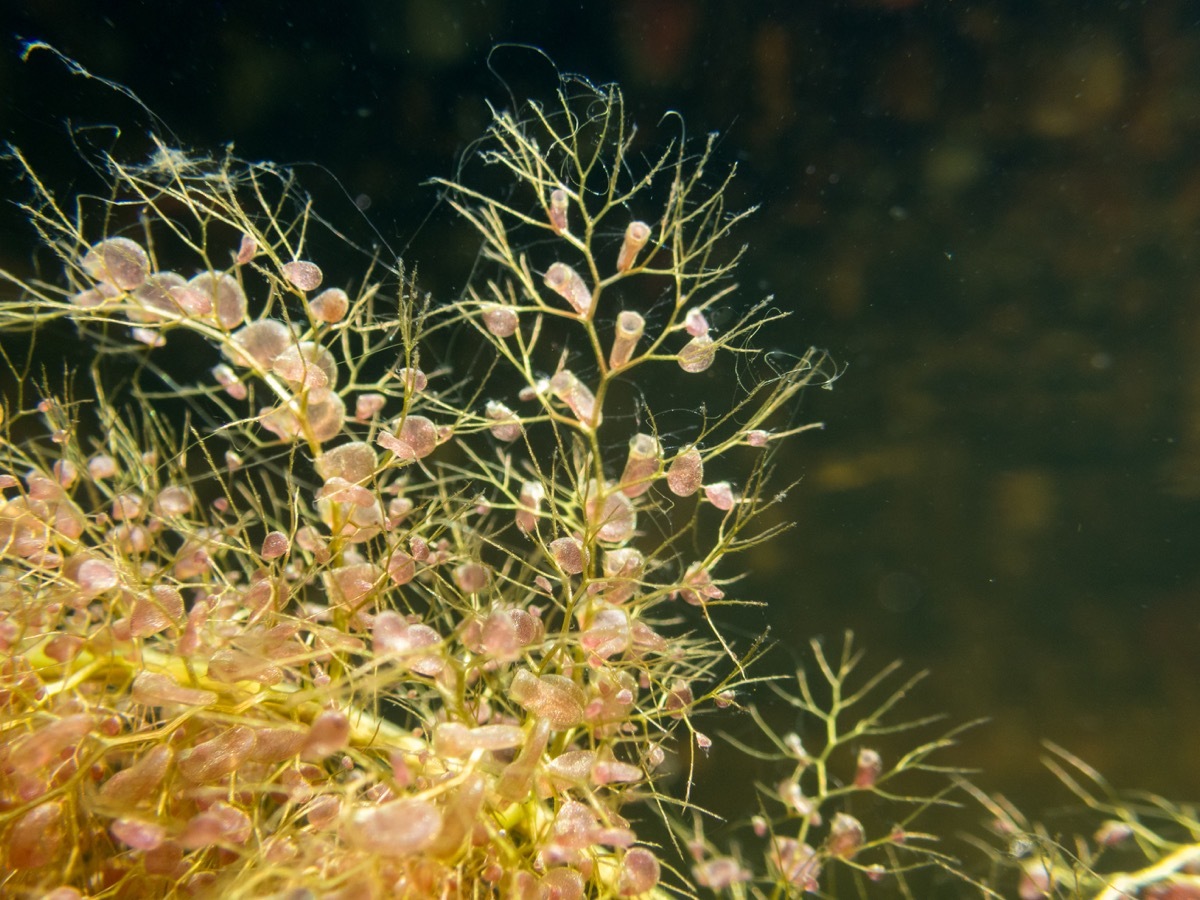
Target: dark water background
(989, 212)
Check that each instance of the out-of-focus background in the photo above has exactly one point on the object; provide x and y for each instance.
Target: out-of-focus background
(987, 211)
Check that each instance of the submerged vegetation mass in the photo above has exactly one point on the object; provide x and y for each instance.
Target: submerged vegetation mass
(336, 590)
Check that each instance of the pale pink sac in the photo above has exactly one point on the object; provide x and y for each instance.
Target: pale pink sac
(697, 354)
(101, 466)
(639, 872)
(571, 391)
(505, 634)
(60, 648)
(413, 379)
(166, 295)
(118, 262)
(307, 365)
(500, 320)
(174, 500)
(565, 282)
(157, 299)
(189, 641)
(695, 323)
(686, 472)
(458, 741)
(326, 417)
(158, 689)
(612, 771)
(641, 465)
(720, 873)
(608, 635)
(419, 548)
(1037, 878)
(401, 567)
(225, 296)
(630, 327)
(569, 554)
(230, 665)
(529, 626)
(323, 811)
(798, 863)
(416, 439)
(352, 585)
(460, 816)
(805, 807)
(636, 236)
(398, 509)
(350, 510)
(557, 210)
(401, 773)
(517, 778)
(623, 569)
(417, 645)
(331, 305)
(148, 336)
(571, 769)
(220, 823)
(656, 756)
(227, 379)
(216, 758)
(563, 883)
(472, 577)
(247, 248)
(1112, 833)
(398, 828)
(338, 490)
(720, 495)
(529, 505)
(127, 505)
(189, 300)
(96, 577)
(48, 743)
(137, 834)
(138, 782)
(94, 297)
(275, 545)
(699, 587)
(703, 741)
(368, 406)
(757, 437)
(614, 519)
(796, 750)
(353, 461)
(273, 745)
(310, 540)
(846, 836)
(303, 275)
(35, 838)
(679, 699)
(330, 732)
(575, 827)
(555, 698)
(157, 612)
(507, 426)
(868, 767)
(257, 344)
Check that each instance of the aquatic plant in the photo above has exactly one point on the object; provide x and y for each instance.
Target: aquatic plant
(1110, 845)
(299, 598)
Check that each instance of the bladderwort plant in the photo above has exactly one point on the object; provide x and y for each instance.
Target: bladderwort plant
(1110, 845)
(363, 621)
